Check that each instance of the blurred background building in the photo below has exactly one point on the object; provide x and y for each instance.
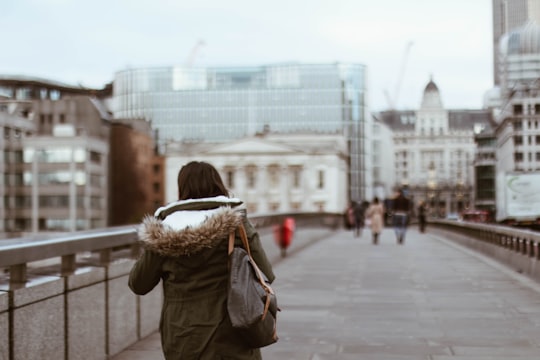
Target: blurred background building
(59, 160)
(219, 104)
(273, 172)
(507, 16)
(434, 152)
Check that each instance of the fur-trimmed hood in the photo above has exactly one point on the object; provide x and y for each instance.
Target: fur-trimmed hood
(187, 227)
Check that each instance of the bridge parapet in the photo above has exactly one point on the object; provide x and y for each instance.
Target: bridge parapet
(66, 297)
(515, 247)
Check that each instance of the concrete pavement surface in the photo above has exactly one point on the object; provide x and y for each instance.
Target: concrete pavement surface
(431, 299)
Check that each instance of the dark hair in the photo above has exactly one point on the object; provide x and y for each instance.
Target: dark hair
(198, 180)
(376, 200)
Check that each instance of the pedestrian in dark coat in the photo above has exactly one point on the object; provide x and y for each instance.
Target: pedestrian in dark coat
(185, 247)
(401, 207)
(359, 219)
(422, 216)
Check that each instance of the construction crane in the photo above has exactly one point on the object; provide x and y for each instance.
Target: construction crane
(392, 101)
(193, 54)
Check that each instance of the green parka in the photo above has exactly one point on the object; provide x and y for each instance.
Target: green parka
(185, 247)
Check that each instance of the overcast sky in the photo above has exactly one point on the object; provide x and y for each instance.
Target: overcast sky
(86, 42)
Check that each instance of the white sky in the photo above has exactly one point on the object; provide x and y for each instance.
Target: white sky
(86, 42)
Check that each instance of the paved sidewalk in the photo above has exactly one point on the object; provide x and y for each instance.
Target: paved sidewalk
(429, 299)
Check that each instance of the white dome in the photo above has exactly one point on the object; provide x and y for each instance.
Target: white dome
(432, 97)
(521, 41)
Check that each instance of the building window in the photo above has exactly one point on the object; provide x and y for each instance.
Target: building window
(157, 187)
(518, 157)
(95, 202)
(229, 178)
(157, 169)
(518, 109)
(79, 155)
(518, 125)
(23, 224)
(296, 173)
(54, 95)
(251, 208)
(320, 182)
(23, 202)
(95, 157)
(518, 140)
(251, 176)
(273, 172)
(296, 206)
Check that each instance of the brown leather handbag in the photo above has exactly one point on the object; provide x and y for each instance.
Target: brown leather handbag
(251, 302)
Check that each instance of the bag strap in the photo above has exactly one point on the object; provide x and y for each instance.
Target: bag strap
(245, 244)
(243, 236)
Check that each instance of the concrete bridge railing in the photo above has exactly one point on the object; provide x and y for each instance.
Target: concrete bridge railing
(515, 247)
(66, 297)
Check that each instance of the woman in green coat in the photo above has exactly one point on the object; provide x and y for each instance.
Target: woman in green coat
(185, 246)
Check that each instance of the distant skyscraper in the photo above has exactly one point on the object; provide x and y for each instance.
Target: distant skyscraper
(508, 15)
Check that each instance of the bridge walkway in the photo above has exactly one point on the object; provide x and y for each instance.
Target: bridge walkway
(428, 299)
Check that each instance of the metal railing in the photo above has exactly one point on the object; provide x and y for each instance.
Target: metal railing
(105, 242)
(74, 286)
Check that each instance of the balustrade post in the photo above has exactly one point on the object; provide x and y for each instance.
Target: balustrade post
(528, 248)
(105, 256)
(68, 264)
(17, 274)
(135, 250)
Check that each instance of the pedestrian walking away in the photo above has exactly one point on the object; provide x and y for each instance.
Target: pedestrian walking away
(375, 213)
(359, 218)
(185, 246)
(422, 216)
(401, 207)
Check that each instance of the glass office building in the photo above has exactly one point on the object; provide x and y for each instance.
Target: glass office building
(225, 103)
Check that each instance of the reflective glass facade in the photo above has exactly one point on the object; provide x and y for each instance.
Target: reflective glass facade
(225, 103)
(216, 104)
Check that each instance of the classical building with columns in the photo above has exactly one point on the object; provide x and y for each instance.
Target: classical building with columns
(434, 152)
(272, 172)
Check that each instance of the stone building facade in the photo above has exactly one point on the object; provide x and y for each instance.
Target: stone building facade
(434, 152)
(274, 172)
